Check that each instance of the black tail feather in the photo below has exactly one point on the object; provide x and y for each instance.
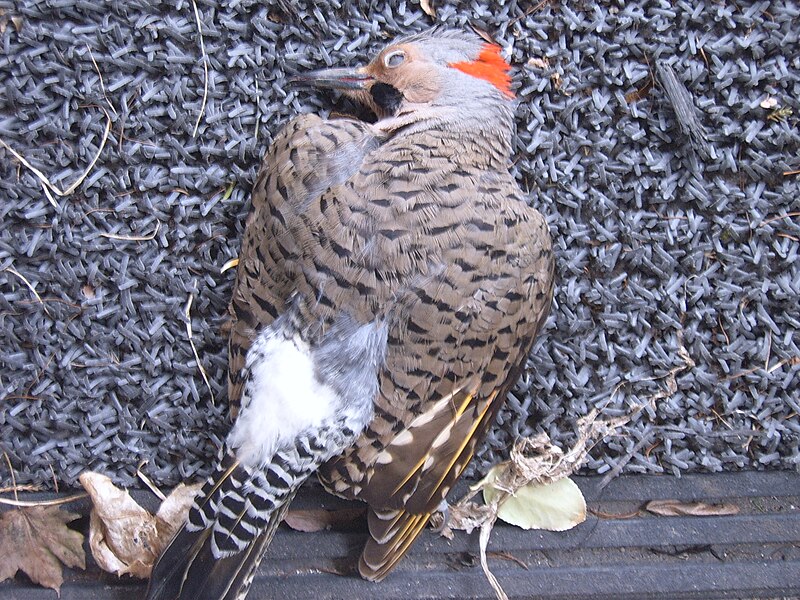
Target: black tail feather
(166, 578)
(187, 570)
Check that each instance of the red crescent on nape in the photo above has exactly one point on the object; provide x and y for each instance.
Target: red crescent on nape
(489, 66)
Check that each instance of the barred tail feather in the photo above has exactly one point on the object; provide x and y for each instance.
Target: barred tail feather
(215, 554)
(188, 570)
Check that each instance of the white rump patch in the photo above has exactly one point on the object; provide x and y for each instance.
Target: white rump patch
(281, 398)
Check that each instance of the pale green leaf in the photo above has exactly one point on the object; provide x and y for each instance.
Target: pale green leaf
(556, 506)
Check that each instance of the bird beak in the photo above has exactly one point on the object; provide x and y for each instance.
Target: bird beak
(348, 79)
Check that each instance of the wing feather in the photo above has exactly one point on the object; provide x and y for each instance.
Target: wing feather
(308, 156)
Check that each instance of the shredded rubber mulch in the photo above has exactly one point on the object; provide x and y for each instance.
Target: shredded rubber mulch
(660, 139)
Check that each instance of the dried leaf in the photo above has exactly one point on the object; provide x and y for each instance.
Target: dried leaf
(613, 516)
(123, 536)
(15, 20)
(120, 530)
(675, 508)
(174, 509)
(539, 63)
(769, 102)
(639, 94)
(37, 541)
(535, 460)
(465, 516)
(555, 506)
(229, 190)
(484, 35)
(319, 519)
(427, 8)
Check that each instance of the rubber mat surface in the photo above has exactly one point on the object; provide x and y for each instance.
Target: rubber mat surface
(660, 139)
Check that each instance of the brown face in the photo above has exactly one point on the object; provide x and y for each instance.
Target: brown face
(398, 74)
(404, 69)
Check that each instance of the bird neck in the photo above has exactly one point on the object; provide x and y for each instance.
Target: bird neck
(489, 134)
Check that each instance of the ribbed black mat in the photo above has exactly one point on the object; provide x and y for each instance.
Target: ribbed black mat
(677, 253)
(755, 554)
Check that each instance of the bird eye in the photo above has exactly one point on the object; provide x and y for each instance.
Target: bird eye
(394, 59)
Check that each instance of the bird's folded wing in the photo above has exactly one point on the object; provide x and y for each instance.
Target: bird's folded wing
(308, 156)
(416, 470)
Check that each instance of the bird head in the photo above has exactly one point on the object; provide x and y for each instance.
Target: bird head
(438, 68)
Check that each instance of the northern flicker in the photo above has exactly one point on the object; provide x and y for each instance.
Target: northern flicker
(391, 281)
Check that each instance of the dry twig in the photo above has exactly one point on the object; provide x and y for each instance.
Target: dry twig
(133, 238)
(31, 288)
(533, 460)
(205, 68)
(102, 83)
(779, 217)
(27, 487)
(188, 314)
(32, 503)
(47, 186)
(146, 480)
(13, 477)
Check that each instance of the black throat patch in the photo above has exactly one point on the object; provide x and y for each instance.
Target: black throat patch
(386, 97)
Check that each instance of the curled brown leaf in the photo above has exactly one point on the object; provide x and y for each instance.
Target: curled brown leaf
(318, 519)
(674, 508)
(123, 536)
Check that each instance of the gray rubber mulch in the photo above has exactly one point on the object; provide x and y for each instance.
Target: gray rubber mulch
(660, 139)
